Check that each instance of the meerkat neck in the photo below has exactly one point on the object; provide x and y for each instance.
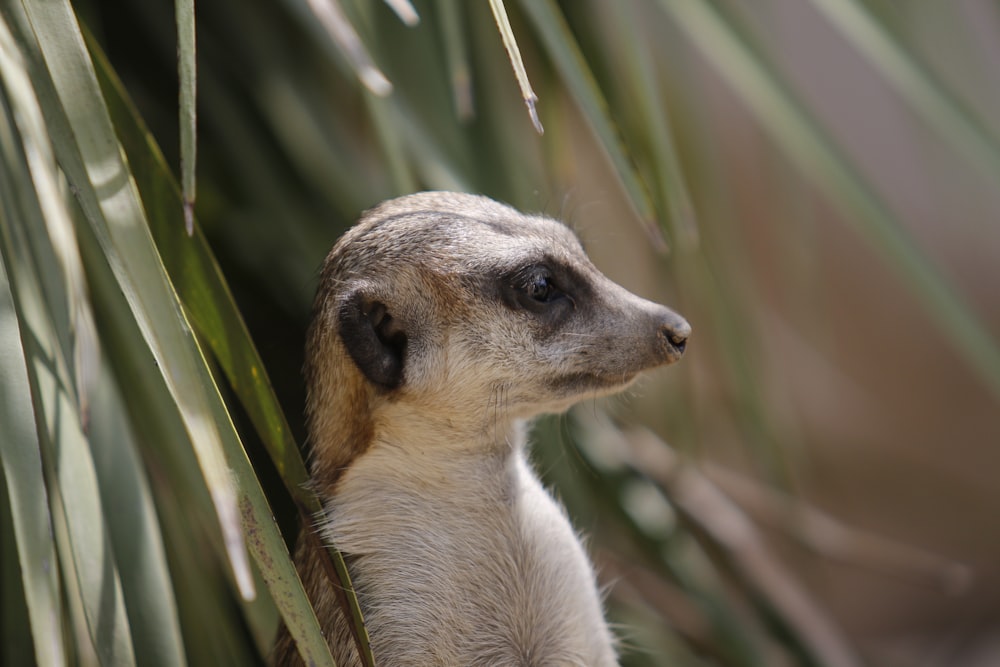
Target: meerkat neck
(433, 460)
(421, 478)
(433, 432)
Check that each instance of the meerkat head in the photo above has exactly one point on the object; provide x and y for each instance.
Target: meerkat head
(455, 303)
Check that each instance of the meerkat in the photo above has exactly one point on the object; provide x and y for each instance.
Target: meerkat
(442, 324)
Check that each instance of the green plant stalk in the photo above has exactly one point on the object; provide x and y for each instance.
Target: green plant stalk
(186, 66)
(331, 16)
(391, 142)
(457, 55)
(514, 54)
(645, 91)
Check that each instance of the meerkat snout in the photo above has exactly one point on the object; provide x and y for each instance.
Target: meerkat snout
(675, 330)
(442, 323)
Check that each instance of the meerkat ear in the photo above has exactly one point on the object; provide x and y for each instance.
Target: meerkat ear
(374, 338)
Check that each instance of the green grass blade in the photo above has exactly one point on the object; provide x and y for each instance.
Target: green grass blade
(392, 144)
(565, 53)
(599, 488)
(457, 55)
(186, 59)
(913, 82)
(700, 502)
(435, 169)
(387, 133)
(108, 197)
(82, 534)
(331, 16)
(211, 620)
(16, 638)
(405, 11)
(645, 92)
(201, 286)
(134, 530)
(53, 239)
(154, 407)
(72, 483)
(650, 136)
(27, 500)
(268, 549)
(794, 130)
(49, 237)
(279, 248)
(514, 55)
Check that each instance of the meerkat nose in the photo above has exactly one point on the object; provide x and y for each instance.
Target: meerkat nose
(676, 331)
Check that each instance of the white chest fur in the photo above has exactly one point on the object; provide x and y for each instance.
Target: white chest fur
(460, 557)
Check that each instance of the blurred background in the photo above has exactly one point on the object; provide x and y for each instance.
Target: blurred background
(812, 184)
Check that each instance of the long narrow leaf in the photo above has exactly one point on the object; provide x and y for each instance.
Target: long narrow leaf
(51, 241)
(331, 16)
(108, 197)
(213, 311)
(794, 131)
(911, 80)
(188, 108)
(561, 46)
(392, 144)
(200, 284)
(26, 494)
(514, 54)
(405, 11)
(457, 54)
(646, 93)
(81, 531)
(211, 623)
(704, 504)
(135, 530)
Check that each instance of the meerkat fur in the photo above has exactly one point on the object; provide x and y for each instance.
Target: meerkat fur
(442, 324)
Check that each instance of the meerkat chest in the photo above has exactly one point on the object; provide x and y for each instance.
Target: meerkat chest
(466, 561)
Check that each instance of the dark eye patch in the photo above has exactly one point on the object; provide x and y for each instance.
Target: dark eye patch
(536, 288)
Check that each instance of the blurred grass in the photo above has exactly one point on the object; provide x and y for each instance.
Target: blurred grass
(165, 407)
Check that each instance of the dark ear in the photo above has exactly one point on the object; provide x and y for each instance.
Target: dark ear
(374, 339)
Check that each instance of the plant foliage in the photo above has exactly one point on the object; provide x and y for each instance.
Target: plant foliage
(145, 449)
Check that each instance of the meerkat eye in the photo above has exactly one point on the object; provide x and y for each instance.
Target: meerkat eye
(535, 289)
(540, 289)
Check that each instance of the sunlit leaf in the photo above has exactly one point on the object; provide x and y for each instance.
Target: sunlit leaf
(201, 287)
(514, 53)
(108, 197)
(26, 495)
(82, 534)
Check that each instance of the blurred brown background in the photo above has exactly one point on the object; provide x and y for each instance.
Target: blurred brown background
(880, 423)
